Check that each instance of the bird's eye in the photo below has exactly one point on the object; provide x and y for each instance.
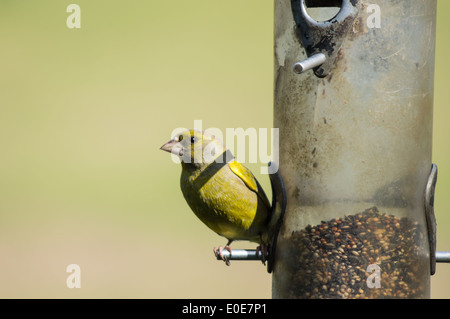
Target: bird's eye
(193, 139)
(180, 138)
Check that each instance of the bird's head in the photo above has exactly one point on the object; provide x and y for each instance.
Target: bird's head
(194, 148)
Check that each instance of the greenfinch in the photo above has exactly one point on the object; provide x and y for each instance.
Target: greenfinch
(221, 192)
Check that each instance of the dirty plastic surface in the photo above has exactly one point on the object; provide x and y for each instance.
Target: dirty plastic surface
(355, 154)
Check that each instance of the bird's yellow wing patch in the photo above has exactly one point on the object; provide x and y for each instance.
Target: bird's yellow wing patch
(244, 174)
(249, 180)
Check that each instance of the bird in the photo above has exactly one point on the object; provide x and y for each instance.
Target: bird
(221, 192)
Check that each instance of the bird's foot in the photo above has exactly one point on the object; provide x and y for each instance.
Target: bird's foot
(224, 258)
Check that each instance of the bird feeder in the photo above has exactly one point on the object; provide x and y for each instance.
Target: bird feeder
(354, 107)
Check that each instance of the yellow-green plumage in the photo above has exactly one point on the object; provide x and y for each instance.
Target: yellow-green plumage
(223, 193)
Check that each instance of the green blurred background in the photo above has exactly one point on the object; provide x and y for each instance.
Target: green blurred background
(83, 113)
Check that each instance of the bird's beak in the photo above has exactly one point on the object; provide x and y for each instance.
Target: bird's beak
(173, 147)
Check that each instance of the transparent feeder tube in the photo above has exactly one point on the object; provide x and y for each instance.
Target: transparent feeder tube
(355, 156)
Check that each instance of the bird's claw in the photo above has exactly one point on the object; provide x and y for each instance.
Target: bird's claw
(224, 258)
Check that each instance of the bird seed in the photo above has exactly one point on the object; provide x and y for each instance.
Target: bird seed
(332, 258)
